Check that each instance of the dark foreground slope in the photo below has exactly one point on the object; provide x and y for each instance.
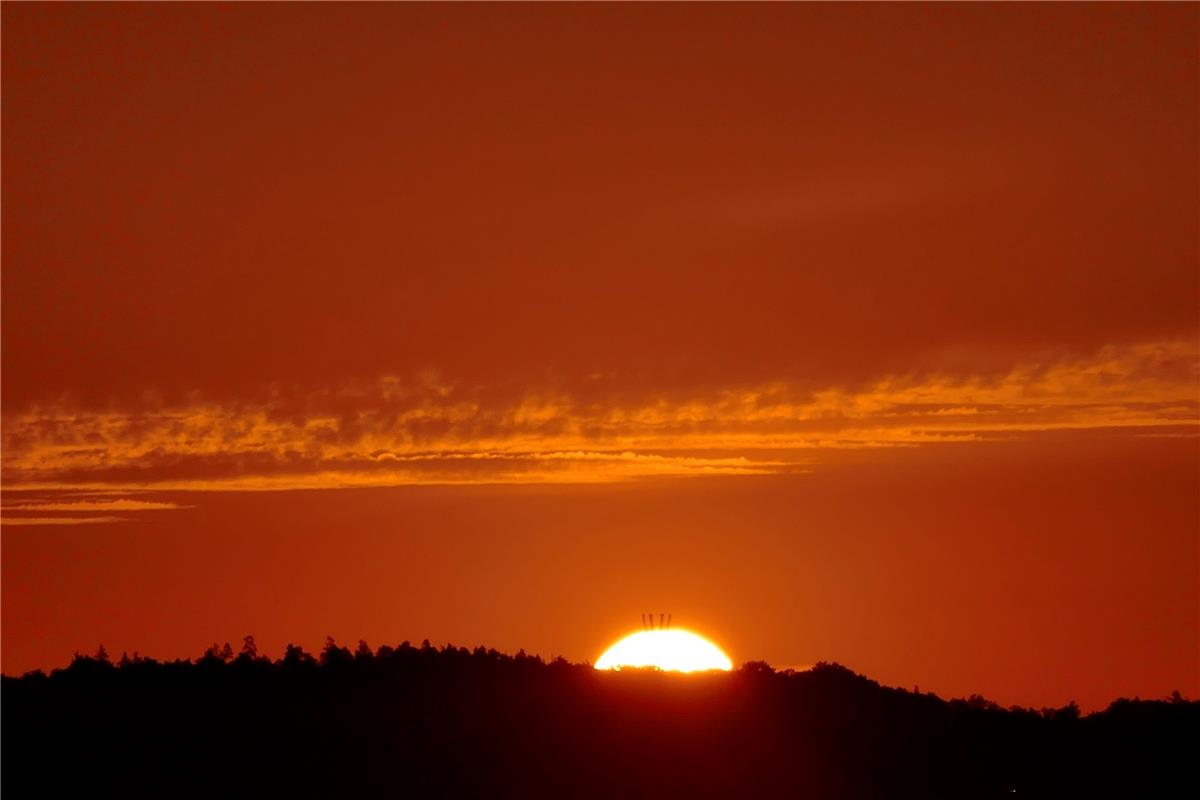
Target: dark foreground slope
(421, 722)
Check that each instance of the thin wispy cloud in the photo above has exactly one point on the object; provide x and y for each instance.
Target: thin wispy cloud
(120, 504)
(60, 520)
(395, 434)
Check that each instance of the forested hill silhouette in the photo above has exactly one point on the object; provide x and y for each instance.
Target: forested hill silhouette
(422, 721)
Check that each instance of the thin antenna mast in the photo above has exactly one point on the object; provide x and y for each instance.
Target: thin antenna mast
(649, 623)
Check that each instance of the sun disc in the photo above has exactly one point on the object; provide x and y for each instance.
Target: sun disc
(672, 650)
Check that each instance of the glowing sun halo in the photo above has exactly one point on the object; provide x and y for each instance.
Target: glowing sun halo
(673, 650)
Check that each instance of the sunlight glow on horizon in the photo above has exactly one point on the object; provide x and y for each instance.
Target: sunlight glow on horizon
(672, 650)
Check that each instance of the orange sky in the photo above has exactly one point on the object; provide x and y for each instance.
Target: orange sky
(857, 333)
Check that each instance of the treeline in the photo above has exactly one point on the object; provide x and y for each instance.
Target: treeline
(423, 721)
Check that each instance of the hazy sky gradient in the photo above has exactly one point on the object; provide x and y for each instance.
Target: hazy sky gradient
(856, 333)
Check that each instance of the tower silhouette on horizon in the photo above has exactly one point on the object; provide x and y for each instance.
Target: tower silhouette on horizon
(649, 623)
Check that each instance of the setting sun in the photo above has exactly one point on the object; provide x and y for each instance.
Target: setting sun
(672, 650)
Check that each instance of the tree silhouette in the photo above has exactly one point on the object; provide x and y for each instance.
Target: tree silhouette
(249, 648)
(450, 721)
